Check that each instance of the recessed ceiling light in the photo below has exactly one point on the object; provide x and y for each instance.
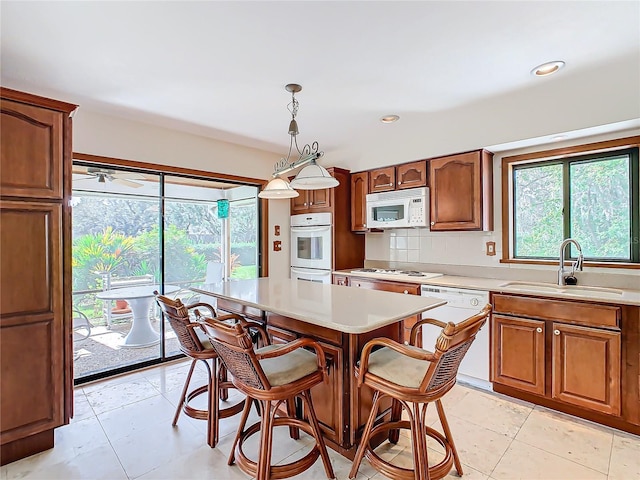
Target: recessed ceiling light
(390, 118)
(547, 68)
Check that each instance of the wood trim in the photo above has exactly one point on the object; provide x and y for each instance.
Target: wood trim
(507, 162)
(37, 100)
(630, 266)
(97, 159)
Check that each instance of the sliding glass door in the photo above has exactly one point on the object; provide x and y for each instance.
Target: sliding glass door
(137, 232)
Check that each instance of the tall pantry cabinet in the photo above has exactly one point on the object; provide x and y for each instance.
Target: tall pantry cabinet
(36, 365)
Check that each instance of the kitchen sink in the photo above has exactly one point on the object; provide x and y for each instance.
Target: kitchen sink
(566, 289)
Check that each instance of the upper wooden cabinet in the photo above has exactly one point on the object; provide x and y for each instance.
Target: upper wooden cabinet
(359, 190)
(35, 250)
(461, 191)
(398, 177)
(311, 201)
(382, 179)
(411, 175)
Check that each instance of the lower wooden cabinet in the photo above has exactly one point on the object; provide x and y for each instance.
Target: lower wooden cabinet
(586, 367)
(550, 350)
(518, 353)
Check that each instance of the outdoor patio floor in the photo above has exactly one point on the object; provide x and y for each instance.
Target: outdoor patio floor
(103, 350)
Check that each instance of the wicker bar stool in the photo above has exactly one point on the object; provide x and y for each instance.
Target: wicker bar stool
(273, 375)
(413, 378)
(195, 344)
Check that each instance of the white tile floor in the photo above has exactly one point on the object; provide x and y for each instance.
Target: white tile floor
(122, 430)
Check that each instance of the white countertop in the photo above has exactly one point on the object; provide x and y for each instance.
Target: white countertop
(592, 294)
(345, 309)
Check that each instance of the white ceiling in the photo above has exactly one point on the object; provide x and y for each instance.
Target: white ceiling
(457, 73)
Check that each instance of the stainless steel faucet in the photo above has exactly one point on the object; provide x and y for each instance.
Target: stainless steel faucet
(575, 265)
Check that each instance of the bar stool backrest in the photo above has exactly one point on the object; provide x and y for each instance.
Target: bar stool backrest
(178, 316)
(451, 346)
(234, 347)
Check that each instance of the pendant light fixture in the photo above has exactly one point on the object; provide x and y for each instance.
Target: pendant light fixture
(312, 176)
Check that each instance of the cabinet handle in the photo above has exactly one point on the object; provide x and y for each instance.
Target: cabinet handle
(539, 330)
(357, 284)
(399, 183)
(305, 204)
(556, 332)
(433, 223)
(406, 291)
(364, 224)
(310, 203)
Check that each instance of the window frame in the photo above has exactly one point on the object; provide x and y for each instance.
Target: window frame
(566, 156)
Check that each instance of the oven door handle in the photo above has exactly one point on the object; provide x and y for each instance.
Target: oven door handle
(309, 272)
(310, 229)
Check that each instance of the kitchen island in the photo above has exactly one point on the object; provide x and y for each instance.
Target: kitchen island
(342, 320)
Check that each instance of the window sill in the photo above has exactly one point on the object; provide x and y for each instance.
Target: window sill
(632, 266)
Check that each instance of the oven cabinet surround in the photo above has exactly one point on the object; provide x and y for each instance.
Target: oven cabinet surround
(36, 378)
(581, 358)
(348, 247)
(461, 191)
(386, 286)
(342, 320)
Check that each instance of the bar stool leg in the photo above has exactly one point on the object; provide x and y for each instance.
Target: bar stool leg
(266, 426)
(313, 420)
(448, 436)
(214, 407)
(243, 421)
(184, 393)
(294, 432)
(396, 416)
(224, 392)
(364, 441)
(420, 442)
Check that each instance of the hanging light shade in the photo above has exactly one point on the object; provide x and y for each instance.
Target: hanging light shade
(312, 176)
(278, 188)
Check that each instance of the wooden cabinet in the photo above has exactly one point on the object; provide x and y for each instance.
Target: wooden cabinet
(359, 191)
(411, 175)
(586, 367)
(382, 179)
(348, 247)
(567, 353)
(461, 191)
(518, 353)
(397, 287)
(310, 201)
(36, 380)
(330, 413)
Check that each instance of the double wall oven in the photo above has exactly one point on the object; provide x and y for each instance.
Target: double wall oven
(311, 247)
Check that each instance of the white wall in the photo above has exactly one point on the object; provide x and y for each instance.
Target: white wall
(418, 245)
(116, 137)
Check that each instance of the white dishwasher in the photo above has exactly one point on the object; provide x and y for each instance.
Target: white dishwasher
(461, 304)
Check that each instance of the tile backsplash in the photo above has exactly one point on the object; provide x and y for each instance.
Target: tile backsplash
(420, 245)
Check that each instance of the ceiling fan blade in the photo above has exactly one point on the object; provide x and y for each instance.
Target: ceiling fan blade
(126, 183)
(128, 175)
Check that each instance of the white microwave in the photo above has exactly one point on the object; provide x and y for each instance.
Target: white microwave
(398, 208)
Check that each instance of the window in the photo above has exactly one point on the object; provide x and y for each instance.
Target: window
(592, 198)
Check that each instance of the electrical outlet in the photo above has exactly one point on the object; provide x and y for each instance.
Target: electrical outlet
(277, 245)
(491, 248)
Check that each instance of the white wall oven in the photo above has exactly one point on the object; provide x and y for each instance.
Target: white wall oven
(311, 247)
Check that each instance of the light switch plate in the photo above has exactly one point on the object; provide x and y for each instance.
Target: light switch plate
(491, 248)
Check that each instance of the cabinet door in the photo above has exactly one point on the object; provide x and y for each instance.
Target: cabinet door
(31, 151)
(300, 204)
(517, 353)
(412, 175)
(319, 200)
(359, 190)
(31, 319)
(328, 396)
(382, 179)
(460, 196)
(586, 367)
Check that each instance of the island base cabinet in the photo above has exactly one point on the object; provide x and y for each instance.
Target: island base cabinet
(586, 367)
(518, 353)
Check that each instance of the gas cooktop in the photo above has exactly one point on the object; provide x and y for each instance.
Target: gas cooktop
(395, 273)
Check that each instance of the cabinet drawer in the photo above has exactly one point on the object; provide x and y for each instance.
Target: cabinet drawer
(398, 287)
(304, 329)
(558, 310)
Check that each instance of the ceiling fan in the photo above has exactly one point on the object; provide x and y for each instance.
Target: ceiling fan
(121, 178)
